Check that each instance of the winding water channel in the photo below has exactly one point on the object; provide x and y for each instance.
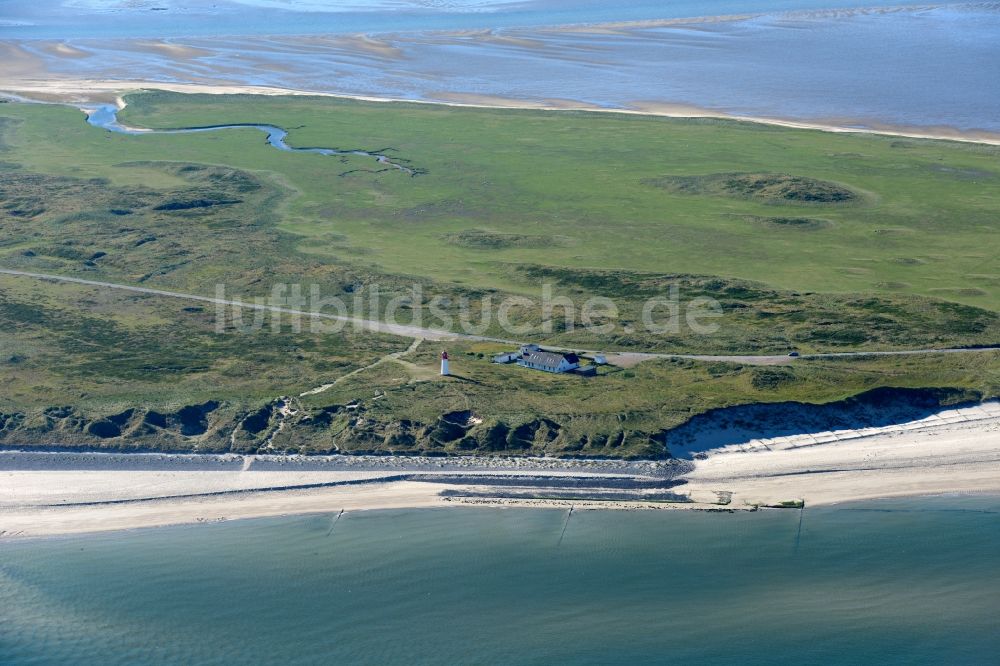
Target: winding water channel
(105, 116)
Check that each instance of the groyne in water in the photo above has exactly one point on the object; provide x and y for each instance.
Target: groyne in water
(105, 116)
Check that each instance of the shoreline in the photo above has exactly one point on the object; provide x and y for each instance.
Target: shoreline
(88, 91)
(46, 494)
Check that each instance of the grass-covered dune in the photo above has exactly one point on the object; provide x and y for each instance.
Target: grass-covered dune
(807, 240)
(85, 367)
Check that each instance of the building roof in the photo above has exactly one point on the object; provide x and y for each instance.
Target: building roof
(549, 359)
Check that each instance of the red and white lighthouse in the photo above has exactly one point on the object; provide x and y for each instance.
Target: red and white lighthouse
(444, 364)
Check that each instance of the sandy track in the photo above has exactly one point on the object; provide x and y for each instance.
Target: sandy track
(624, 359)
(359, 323)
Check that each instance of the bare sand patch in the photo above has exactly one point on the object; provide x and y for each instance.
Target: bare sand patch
(17, 63)
(956, 451)
(839, 126)
(485, 36)
(169, 49)
(63, 50)
(372, 46)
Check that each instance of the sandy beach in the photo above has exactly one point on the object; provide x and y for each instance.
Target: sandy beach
(44, 494)
(950, 452)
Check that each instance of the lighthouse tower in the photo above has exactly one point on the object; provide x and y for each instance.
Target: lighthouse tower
(444, 364)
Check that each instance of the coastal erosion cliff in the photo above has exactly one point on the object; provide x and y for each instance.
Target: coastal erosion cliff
(746, 427)
(283, 426)
(956, 450)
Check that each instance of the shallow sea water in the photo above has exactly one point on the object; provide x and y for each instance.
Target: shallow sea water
(111, 19)
(889, 582)
(923, 67)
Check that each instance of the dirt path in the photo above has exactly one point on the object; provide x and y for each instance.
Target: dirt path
(419, 333)
(360, 323)
(394, 356)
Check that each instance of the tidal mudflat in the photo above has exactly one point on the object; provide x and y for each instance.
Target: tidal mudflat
(926, 69)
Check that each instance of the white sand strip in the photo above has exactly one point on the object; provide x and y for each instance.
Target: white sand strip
(940, 456)
(81, 91)
(926, 460)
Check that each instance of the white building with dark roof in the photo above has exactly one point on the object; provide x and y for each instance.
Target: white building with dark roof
(507, 357)
(549, 361)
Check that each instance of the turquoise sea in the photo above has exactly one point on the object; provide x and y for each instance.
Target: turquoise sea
(888, 582)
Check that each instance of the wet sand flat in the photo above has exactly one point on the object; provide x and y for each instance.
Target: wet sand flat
(896, 70)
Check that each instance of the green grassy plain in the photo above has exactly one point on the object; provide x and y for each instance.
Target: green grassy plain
(847, 242)
(584, 184)
(807, 239)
